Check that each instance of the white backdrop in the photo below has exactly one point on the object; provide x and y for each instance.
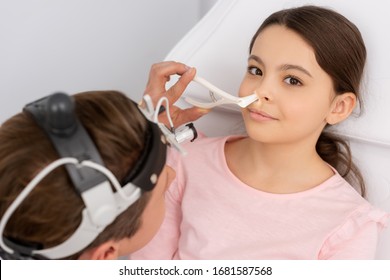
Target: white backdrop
(77, 45)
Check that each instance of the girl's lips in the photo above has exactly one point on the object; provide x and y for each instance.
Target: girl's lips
(260, 116)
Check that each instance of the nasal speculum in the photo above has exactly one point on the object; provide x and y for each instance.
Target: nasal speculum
(225, 98)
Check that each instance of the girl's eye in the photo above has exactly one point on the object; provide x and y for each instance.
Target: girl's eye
(255, 71)
(293, 81)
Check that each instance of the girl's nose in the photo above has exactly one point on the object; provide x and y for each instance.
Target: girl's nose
(264, 92)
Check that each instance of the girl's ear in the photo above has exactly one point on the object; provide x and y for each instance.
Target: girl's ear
(342, 106)
(107, 251)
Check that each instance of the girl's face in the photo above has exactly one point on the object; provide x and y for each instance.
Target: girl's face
(295, 94)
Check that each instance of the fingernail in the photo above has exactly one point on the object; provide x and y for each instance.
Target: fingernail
(191, 70)
(204, 111)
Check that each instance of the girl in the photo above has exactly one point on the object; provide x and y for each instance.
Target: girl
(289, 189)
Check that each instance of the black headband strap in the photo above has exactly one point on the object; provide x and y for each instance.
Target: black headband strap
(151, 161)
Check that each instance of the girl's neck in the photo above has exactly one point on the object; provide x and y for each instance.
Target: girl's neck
(276, 168)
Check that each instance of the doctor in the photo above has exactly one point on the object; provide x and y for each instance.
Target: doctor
(84, 176)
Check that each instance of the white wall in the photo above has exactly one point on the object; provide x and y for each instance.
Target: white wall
(77, 45)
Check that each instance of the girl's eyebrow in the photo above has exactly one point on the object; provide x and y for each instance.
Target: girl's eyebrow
(255, 58)
(284, 67)
(295, 67)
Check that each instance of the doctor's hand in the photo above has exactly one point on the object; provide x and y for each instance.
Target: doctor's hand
(159, 75)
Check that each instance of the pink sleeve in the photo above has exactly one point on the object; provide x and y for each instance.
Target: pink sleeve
(357, 238)
(164, 244)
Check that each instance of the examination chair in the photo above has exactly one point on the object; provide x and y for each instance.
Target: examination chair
(218, 47)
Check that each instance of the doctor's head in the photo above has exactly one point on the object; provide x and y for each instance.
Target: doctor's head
(53, 210)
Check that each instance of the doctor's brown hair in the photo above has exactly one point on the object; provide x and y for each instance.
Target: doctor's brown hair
(52, 211)
(340, 51)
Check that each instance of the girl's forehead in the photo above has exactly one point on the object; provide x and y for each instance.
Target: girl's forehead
(281, 38)
(278, 44)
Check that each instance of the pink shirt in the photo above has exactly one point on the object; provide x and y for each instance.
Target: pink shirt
(211, 214)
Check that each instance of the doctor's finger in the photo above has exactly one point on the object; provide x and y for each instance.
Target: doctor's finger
(174, 92)
(183, 116)
(168, 68)
(160, 74)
